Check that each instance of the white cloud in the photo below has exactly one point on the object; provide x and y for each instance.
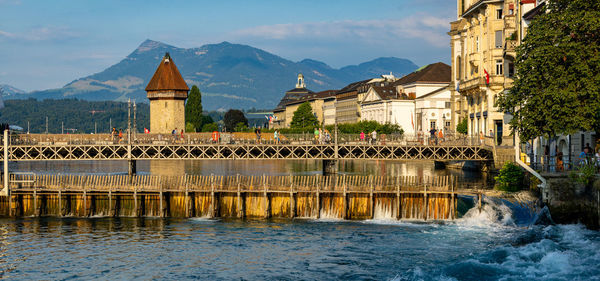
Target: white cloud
(44, 33)
(421, 27)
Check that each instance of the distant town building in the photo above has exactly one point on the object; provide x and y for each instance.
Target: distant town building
(293, 98)
(167, 92)
(347, 106)
(433, 111)
(386, 105)
(428, 87)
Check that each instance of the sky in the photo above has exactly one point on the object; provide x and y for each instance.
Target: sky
(47, 44)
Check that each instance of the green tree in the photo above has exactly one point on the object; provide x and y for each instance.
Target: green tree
(241, 127)
(462, 127)
(211, 127)
(304, 117)
(193, 108)
(232, 118)
(557, 88)
(189, 128)
(510, 178)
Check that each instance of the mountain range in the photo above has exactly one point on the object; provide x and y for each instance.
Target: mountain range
(228, 75)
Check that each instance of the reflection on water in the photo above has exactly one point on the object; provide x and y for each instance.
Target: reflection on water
(250, 167)
(181, 249)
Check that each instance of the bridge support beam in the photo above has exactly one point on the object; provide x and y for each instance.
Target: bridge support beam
(132, 167)
(330, 166)
(5, 191)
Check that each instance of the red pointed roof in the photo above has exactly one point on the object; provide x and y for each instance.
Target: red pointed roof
(167, 77)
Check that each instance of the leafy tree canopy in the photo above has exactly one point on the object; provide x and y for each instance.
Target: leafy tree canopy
(462, 127)
(193, 108)
(557, 88)
(232, 118)
(304, 117)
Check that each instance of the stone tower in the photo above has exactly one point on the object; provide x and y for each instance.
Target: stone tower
(167, 92)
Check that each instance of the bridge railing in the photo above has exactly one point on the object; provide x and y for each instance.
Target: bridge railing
(247, 138)
(232, 183)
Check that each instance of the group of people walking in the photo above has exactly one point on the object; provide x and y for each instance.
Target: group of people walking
(322, 136)
(372, 137)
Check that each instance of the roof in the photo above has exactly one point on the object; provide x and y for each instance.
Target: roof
(434, 73)
(293, 96)
(167, 77)
(388, 93)
(434, 92)
(353, 86)
(535, 11)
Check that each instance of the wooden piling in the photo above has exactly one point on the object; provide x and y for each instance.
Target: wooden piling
(371, 198)
(292, 203)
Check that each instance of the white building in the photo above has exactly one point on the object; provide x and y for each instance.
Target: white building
(433, 110)
(386, 105)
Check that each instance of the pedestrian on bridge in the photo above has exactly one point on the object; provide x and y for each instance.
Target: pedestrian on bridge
(433, 136)
(120, 135)
(362, 136)
(257, 132)
(374, 137)
(316, 133)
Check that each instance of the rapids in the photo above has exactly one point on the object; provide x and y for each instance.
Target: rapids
(499, 243)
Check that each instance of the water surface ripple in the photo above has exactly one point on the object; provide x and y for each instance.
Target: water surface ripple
(482, 246)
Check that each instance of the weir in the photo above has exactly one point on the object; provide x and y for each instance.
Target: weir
(331, 197)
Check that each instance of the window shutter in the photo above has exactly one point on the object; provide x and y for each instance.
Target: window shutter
(499, 39)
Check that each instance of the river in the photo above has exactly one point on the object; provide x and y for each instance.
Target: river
(497, 243)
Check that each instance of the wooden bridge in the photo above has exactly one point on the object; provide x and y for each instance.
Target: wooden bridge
(338, 196)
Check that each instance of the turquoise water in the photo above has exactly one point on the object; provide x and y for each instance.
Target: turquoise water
(496, 244)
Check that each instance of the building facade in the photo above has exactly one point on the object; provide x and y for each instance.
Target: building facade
(483, 41)
(433, 111)
(167, 92)
(320, 102)
(386, 105)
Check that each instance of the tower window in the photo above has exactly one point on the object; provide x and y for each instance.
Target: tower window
(499, 14)
(165, 104)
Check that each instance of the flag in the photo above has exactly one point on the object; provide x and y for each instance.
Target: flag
(487, 77)
(146, 131)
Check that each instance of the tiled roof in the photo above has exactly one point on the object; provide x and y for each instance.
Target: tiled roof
(167, 77)
(293, 96)
(433, 73)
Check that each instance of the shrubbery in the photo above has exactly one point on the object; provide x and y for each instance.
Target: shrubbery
(367, 127)
(510, 178)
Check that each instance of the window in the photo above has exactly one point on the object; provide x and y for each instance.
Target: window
(447, 124)
(511, 69)
(432, 125)
(499, 14)
(165, 104)
(499, 67)
(477, 43)
(499, 39)
(448, 104)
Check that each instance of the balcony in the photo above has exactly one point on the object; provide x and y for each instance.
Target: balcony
(471, 84)
(510, 48)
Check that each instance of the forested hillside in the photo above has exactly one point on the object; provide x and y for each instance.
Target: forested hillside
(78, 116)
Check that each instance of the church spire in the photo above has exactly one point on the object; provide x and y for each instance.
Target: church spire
(300, 84)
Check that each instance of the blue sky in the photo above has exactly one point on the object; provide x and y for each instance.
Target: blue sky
(46, 44)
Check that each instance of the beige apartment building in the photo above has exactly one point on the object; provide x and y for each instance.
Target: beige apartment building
(483, 41)
(322, 104)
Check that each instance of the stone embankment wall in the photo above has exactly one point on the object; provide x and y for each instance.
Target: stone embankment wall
(572, 202)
